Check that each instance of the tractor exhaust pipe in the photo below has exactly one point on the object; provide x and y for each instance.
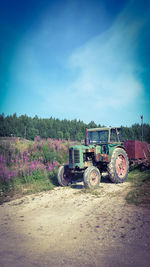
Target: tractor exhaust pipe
(86, 138)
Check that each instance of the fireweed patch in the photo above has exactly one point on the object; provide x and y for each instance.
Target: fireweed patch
(23, 160)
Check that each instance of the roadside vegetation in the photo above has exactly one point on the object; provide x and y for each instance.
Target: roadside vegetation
(140, 188)
(29, 166)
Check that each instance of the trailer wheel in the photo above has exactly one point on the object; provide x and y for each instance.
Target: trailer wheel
(118, 167)
(91, 177)
(64, 175)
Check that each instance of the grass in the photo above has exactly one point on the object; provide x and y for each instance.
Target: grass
(90, 191)
(140, 193)
(28, 167)
(95, 192)
(19, 187)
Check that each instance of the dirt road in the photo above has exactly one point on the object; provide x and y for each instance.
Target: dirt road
(67, 227)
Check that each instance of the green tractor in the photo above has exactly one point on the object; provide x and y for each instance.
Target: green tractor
(103, 151)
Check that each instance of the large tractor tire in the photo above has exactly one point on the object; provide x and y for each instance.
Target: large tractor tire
(91, 177)
(118, 167)
(64, 175)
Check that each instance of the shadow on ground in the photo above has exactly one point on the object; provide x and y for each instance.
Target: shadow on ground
(79, 183)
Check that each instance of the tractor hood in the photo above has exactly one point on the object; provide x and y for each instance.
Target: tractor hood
(76, 155)
(83, 147)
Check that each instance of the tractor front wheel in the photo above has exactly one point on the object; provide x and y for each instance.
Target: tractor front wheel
(91, 177)
(118, 167)
(64, 175)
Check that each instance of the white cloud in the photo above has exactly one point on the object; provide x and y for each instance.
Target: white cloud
(108, 70)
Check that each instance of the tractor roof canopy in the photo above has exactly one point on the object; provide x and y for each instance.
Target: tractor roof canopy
(102, 129)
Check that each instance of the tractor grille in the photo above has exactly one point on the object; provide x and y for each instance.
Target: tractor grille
(76, 156)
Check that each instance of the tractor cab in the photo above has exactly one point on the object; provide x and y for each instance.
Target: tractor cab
(103, 135)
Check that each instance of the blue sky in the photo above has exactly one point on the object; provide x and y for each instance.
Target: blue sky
(83, 59)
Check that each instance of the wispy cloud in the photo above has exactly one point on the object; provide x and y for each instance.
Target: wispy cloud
(107, 64)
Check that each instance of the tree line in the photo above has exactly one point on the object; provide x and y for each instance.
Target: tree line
(27, 127)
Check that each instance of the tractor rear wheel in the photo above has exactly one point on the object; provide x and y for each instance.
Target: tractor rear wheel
(118, 167)
(91, 177)
(64, 175)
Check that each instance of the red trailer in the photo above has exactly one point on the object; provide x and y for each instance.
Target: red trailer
(138, 152)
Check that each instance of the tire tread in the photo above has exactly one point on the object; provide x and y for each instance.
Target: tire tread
(111, 166)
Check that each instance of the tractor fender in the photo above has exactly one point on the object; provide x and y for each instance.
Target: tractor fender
(112, 148)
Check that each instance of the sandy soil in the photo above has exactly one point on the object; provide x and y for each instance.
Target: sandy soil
(66, 227)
